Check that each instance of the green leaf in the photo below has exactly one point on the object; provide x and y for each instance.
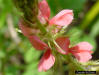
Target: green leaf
(31, 55)
(5, 9)
(11, 70)
(74, 34)
(2, 54)
(2, 18)
(95, 29)
(35, 72)
(32, 69)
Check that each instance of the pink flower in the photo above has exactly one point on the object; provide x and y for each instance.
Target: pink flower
(47, 61)
(37, 43)
(44, 9)
(63, 43)
(82, 51)
(63, 18)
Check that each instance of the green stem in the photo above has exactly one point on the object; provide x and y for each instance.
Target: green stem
(58, 67)
(73, 65)
(41, 27)
(3, 66)
(94, 11)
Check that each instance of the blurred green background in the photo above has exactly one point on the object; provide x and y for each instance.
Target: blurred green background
(18, 57)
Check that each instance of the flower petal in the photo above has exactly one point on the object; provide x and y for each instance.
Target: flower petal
(63, 18)
(82, 51)
(63, 42)
(47, 61)
(26, 30)
(44, 8)
(41, 18)
(37, 43)
(82, 46)
(83, 57)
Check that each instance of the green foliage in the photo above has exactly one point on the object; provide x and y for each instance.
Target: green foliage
(11, 70)
(2, 54)
(74, 34)
(31, 69)
(31, 55)
(6, 7)
(77, 35)
(32, 59)
(75, 5)
(90, 16)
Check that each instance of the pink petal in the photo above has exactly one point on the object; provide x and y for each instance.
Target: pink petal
(83, 57)
(37, 43)
(83, 46)
(41, 18)
(24, 28)
(44, 8)
(47, 61)
(63, 42)
(82, 51)
(63, 18)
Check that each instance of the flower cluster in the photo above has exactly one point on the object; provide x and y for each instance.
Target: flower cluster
(63, 18)
(81, 51)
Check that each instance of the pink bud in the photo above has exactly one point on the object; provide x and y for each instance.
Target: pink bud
(82, 51)
(47, 61)
(44, 9)
(37, 43)
(63, 18)
(63, 43)
(24, 28)
(41, 18)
